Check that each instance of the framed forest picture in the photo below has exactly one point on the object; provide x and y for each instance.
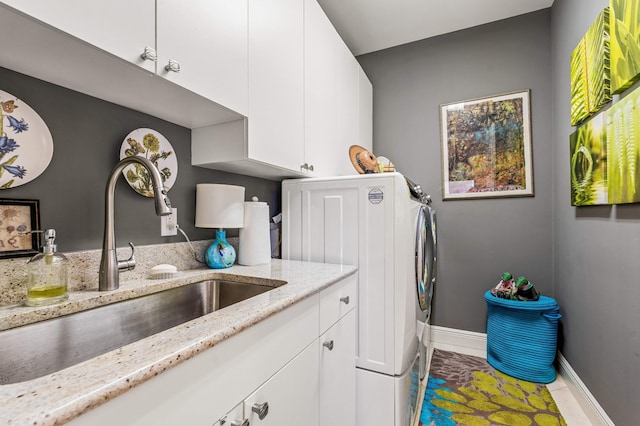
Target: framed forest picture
(486, 147)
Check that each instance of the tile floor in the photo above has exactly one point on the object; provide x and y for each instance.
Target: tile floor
(569, 407)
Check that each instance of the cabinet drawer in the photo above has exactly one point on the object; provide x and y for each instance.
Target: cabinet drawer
(337, 300)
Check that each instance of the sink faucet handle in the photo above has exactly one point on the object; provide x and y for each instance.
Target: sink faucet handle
(130, 263)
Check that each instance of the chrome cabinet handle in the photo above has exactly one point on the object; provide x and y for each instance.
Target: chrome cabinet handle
(149, 54)
(244, 422)
(328, 345)
(172, 66)
(345, 300)
(261, 410)
(310, 167)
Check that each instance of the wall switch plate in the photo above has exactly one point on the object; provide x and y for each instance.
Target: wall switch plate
(168, 224)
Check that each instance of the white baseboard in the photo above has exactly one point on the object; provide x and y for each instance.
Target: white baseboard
(581, 393)
(475, 343)
(468, 341)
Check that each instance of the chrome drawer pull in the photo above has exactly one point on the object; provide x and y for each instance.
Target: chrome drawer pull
(328, 345)
(149, 54)
(345, 300)
(244, 422)
(172, 66)
(261, 410)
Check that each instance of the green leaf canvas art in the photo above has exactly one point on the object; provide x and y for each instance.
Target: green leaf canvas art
(588, 154)
(623, 149)
(605, 156)
(624, 22)
(590, 71)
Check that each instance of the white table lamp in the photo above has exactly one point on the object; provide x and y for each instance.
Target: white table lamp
(219, 206)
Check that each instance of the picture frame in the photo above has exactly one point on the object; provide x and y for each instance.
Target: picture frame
(486, 147)
(18, 220)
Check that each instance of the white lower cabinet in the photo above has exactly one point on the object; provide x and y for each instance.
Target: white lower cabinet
(288, 369)
(337, 395)
(290, 397)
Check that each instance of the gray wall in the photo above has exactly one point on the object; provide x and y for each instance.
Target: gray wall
(87, 134)
(596, 251)
(478, 239)
(587, 258)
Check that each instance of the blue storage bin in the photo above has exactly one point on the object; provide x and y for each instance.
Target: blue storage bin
(522, 337)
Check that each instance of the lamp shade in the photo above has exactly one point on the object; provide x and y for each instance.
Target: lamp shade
(219, 206)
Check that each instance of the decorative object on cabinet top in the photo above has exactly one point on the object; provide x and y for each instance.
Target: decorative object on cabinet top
(152, 145)
(363, 161)
(26, 145)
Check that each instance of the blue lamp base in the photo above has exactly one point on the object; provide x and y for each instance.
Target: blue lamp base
(220, 253)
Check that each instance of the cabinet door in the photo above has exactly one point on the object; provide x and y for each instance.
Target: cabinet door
(365, 110)
(331, 96)
(338, 373)
(346, 110)
(208, 40)
(276, 107)
(290, 397)
(120, 27)
(320, 83)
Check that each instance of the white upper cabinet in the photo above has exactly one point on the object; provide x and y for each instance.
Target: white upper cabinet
(346, 108)
(365, 111)
(268, 86)
(331, 96)
(96, 48)
(320, 85)
(276, 87)
(202, 46)
(123, 28)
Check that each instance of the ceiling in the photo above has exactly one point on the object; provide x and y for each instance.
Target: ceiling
(370, 25)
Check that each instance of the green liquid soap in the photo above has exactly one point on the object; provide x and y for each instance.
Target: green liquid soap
(46, 295)
(47, 274)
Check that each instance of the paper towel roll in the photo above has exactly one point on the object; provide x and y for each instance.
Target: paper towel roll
(255, 242)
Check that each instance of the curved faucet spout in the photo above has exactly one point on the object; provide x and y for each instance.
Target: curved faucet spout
(110, 266)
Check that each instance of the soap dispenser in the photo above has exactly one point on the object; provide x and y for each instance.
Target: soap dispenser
(47, 274)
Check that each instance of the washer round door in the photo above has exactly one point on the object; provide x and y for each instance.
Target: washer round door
(426, 257)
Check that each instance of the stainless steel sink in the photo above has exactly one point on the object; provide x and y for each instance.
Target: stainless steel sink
(42, 348)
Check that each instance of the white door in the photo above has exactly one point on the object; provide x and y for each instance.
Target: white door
(290, 397)
(121, 27)
(208, 40)
(338, 373)
(276, 86)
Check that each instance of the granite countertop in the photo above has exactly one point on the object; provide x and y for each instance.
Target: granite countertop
(59, 397)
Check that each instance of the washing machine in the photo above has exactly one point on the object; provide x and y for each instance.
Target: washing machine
(383, 224)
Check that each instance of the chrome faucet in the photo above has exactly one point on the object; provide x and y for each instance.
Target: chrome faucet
(110, 266)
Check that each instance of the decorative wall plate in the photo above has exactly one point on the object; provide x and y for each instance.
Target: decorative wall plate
(26, 145)
(156, 148)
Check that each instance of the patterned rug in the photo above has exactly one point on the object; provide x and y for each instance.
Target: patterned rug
(466, 390)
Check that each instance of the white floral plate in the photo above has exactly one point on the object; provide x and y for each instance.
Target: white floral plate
(26, 145)
(155, 147)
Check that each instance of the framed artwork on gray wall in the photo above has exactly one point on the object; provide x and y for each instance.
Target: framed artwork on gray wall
(486, 147)
(18, 220)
